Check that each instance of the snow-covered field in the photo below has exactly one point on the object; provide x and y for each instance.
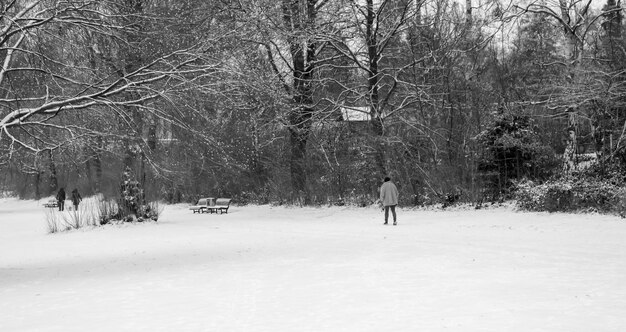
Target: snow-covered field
(262, 268)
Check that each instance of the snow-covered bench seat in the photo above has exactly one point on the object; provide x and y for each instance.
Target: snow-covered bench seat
(221, 205)
(202, 205)
(51, 203)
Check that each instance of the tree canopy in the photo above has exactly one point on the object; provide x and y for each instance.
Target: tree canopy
(248, 99)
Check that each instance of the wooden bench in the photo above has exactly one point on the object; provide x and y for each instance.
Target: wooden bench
(221, 205)
(202, 205)
(51, 203)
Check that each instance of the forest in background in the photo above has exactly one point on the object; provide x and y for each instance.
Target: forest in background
(315, 101)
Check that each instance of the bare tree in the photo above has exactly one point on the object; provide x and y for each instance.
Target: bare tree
(45, 49)
(576, 20)
(300, 21)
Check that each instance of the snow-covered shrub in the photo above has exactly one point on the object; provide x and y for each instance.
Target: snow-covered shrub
(102, 211)
(132, 196)
(132, 205)
(528, 196)
(549, 196)
(53, 221)
(87, 214)
(621, 206)
(559, 197)
(571, 195)
(151, 211)
(513, 150)
(108, 211)
(599, 195)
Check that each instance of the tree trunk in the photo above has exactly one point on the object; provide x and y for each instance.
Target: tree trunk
(132, 59)
(89, 175)
(569, 34)
(303, 54)
(570, 147)
(97, 164)
(53, 178)
(298, 140)
(573, 53)
(37, 181)
(376, 118)
(469, 20)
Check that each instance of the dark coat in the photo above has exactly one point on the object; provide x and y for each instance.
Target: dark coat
(61, 195)
(76, 197)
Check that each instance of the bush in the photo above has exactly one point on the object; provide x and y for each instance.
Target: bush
(512, 150)
(87, 214)
(132, 205)
(567, 195)
(110, 212)
(559, 197)
(151, 211)
(53, 221)
(96, 211)
(621, 206)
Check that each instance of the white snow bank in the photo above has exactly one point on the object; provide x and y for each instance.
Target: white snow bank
(262, 268)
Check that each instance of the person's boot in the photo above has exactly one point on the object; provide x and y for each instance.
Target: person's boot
(394, 223)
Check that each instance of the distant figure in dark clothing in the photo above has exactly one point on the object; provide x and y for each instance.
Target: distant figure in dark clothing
(76, 199)
(389, 199)
(61, 199)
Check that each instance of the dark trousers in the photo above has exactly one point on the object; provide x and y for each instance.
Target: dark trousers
(61, 205)
(393, 212)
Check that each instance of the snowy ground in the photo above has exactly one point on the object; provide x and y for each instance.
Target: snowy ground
(263, 268)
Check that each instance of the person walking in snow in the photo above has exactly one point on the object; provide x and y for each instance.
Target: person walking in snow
(61, 199)
(389, 199)
(76, 199)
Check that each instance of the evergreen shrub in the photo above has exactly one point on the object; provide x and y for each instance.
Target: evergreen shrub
(513, 150)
